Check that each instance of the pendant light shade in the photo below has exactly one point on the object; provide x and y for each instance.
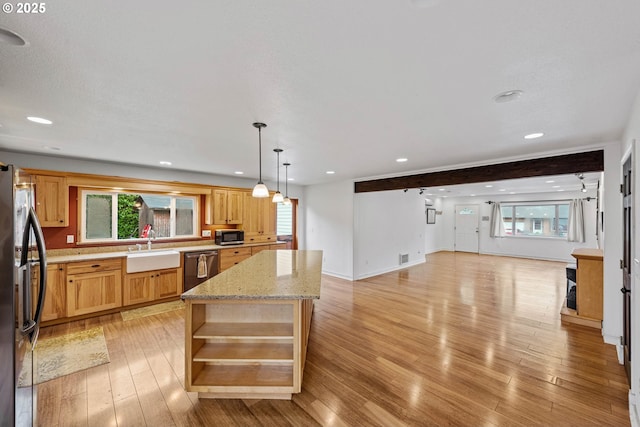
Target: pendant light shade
(277, 197)
(287, 200)
(260, 190)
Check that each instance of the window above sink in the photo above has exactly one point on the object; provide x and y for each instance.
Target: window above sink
(108, 216)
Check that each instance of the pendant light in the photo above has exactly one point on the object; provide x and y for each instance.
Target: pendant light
(277, 198)
(287, 200)
(260, 190)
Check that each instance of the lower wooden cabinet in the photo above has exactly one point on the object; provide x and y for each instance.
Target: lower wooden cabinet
(151, 285)
(227, 258)
(55, 298)
(93, 286)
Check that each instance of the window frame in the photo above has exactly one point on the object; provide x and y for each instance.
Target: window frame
(83, 192)
(554, 221)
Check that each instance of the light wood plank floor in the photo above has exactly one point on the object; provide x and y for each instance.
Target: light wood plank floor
(460, 340)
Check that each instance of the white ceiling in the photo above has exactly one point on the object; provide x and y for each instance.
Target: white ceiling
(347, 86)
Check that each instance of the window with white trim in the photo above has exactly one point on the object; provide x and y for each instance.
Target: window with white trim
(114, 216)
(539, 220)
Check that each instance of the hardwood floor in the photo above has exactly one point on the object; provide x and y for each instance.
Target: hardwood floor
(460, 340)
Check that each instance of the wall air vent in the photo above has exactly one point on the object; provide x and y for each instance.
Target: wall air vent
(404, 258)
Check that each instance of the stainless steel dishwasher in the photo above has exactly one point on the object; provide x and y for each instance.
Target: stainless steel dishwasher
(198, 267)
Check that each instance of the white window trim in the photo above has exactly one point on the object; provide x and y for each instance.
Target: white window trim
(114, 216)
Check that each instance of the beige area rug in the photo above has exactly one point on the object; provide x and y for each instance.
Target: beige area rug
(151, 310)
(64, 355)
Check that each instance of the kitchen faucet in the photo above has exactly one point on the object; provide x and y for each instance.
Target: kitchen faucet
(151, 235)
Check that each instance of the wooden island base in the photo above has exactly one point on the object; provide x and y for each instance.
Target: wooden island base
(250, 349)
(246, 329)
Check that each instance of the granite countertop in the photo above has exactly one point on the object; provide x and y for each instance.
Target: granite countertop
(59, 256)
(266, 275)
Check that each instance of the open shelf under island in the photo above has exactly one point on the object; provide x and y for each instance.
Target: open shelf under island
(247, 328)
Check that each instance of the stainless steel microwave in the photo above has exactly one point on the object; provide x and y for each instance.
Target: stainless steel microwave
(229, 237)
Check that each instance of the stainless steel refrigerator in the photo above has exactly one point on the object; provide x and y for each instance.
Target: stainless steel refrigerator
(22, 260)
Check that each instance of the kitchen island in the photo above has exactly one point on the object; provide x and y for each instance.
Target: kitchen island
(247, 328)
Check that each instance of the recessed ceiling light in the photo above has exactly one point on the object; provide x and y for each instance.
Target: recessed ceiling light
(472, 195)
(560, 189)
(290, 179)
(502, 189)
(508, 96)
(165, 163)
(442, 189)
(512, 192)
(401, 160)
(330, 172)
(50, 147)
(534, 135)
(39, 120)
(555, 186)
(488, 186)
(239, 173)
(9, 37)
(550, 181)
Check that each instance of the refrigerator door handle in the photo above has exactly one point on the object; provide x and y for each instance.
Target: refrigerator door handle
(32, 326)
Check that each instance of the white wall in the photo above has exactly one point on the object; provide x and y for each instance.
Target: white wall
(436, 235)
(528, 247)
(387, 224)
(328, 216)
(55, 163)
(612, 245)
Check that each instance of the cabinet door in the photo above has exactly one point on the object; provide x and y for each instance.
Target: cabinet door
(250, 216)
(91, 292)
(52, 201)
(167, 283)
(55, 298)
(219, 206)
(235, 204)
(138, 287)
(269, 218)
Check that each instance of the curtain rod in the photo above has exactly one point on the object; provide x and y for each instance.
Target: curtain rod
(588, 199)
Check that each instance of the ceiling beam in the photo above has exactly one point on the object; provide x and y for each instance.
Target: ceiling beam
(591, 161)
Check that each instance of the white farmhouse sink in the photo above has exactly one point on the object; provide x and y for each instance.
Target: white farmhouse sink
(152, 260)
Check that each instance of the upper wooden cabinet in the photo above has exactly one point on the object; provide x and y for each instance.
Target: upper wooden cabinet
(259, 222)
(224, 207)
(52, 200)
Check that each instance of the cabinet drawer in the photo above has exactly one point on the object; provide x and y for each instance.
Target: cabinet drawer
(94, 266)
(230, 257)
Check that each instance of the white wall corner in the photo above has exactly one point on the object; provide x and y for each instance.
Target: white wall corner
(633, 409)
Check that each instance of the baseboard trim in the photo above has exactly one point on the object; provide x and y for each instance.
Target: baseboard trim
(633, 410)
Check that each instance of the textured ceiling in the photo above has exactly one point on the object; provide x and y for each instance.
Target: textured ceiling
(347, 86)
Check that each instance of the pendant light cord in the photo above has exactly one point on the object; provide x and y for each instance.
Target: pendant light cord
(260, 154)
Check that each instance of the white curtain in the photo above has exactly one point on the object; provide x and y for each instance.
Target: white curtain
(497, 225)
(575, 228)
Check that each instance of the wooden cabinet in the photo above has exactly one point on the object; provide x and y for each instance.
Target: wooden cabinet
(589, 277)
(94, 286)
(246, 349)
(52, 201)
(589, 289)
(224, 207)
(227, 258)
(55, 298)
(151, 285)
(259, 221)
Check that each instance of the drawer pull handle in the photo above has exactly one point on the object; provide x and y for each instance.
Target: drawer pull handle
(95, 266)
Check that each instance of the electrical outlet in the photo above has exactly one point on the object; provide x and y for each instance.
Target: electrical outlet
(206, 233)
(69, 238)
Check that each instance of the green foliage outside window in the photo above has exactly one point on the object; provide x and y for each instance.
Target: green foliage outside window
(127, 216)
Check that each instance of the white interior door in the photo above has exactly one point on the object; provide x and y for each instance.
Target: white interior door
(466, 228)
